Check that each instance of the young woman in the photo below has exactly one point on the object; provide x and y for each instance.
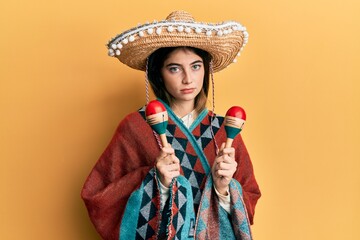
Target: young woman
(192, 188)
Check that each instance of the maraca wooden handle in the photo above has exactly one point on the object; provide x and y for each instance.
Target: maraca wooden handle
(229, 142)
(163, 139)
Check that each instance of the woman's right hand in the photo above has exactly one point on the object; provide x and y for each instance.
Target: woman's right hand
(167, 165)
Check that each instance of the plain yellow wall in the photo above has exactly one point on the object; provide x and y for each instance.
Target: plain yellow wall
(61, 98)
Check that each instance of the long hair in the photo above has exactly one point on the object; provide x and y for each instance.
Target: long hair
(156, 62)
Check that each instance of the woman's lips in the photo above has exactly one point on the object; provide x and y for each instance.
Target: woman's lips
(187, 90)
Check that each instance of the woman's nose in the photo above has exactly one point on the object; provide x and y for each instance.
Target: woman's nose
(187, 77)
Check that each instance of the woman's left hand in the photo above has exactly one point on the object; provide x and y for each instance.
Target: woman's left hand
(223, 169)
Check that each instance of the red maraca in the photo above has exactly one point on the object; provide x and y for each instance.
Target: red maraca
(234, 122)
(157, 117)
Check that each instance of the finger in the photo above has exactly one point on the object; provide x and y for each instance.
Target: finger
(173, 174)
(225, 173)
(228, 159)
(173, 167)
(222, 146)
(224, 158)
(224, 166)
(174, 159)
(163, 154)
(229, 151)
(220, 160)
(224, 179)
(167, 171)
(163, 162)
(170, 169)
(168, 150)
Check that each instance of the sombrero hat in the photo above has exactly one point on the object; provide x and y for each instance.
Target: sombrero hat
(224, 41)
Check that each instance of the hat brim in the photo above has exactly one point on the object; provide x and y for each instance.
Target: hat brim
(222, 41)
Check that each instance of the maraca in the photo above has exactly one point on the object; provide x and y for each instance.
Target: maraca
(157, 117)
(234, 122)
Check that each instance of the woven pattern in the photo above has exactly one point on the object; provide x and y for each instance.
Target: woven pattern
(148, 220)
(118, 189)
(190, 163)
(210, 222)
(210, 214)
(178, 211)
(180, 16)
(238, 213)
(223, 41)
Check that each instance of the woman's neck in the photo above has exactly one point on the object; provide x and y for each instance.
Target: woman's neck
(183, 108)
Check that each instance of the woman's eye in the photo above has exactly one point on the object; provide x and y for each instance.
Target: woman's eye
(173, 69)
(196, 66)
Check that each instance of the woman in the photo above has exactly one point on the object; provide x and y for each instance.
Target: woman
(190, 188)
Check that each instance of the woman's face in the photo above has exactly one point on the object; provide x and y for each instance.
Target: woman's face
(183, 75)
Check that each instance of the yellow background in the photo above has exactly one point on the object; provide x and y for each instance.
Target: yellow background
(61, 98)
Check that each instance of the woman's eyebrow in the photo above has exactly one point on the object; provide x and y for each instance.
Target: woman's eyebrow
(172, 64)
(197, 61)
(178, 64)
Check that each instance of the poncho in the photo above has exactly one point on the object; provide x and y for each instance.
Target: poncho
(122, 192)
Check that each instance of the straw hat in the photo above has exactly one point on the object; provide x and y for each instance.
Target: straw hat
(224, 41)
